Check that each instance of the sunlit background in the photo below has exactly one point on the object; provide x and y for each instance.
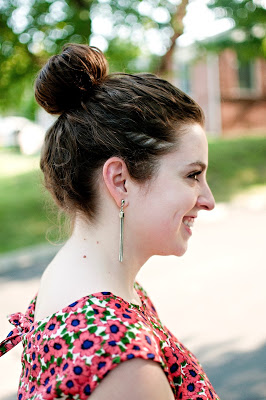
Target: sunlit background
(213, 298)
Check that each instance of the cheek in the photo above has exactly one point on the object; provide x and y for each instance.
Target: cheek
(161, 213)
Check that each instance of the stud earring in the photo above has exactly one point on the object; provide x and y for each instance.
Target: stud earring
(121, 241)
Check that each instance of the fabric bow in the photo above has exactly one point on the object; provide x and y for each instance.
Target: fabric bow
(22, 326)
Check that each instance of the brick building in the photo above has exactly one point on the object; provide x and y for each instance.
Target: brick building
(232, 94)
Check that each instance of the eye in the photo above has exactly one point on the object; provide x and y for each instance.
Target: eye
(194, 175)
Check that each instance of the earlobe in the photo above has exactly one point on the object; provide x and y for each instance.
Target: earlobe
(115, 174)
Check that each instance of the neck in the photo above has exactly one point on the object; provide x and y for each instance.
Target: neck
(93, 250)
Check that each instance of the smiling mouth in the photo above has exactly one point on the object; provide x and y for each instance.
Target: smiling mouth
(188, 222)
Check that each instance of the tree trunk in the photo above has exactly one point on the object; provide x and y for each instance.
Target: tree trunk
(166, 66)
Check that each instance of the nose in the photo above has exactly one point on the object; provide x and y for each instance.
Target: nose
(206, 200)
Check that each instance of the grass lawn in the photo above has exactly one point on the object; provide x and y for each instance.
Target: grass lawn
(236, 165)
(26, 212)
(26, 215)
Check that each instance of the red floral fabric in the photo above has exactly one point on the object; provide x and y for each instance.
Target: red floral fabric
(67, 354)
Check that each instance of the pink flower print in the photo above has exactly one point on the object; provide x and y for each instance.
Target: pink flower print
(52, 326)
(80, 370)
(58, 347)
(53, 371)
(46, 351)
(76, 305)
(32, 389)
(87, 344)
(191, 373)
(147, 344)
(100, 365)
(111, 346)
(38, 336)
(22, 395)
(123, 311)
(115, 329)
(194, 388)
(46, 378)
(86, 389)
(171, 357)
(163, 335)
(134, 349)
(70, 385)
(49, 391)
(15, 340)
(76, 322)
(33, 356)
(35, 366)
(147, 340)
(98, 313)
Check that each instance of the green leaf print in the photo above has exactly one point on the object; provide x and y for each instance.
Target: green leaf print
(178, 380)
(131, 335)
(125, 340)
(116, 360)
(93, 329)
(90, 321)
(59, 361)
(3, 349)
(42, 326)
(67, 338)
(69, 355)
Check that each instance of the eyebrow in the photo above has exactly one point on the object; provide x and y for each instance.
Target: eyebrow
(198, 164)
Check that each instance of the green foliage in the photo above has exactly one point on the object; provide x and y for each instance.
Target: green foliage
(248, 35)
(33, 30)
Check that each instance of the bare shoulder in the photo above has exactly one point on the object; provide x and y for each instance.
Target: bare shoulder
(134, 379)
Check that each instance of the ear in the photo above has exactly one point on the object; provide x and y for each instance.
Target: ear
(115, 175)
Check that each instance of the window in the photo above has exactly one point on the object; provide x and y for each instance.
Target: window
(246, 76)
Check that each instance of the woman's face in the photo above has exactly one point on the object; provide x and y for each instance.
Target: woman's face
(161, 219)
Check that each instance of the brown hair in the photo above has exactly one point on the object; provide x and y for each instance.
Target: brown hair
(136, 117)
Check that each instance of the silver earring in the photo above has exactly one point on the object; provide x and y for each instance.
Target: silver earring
(121, 241)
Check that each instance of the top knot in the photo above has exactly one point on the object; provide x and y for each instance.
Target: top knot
(68, 78)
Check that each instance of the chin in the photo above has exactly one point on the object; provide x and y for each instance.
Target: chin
(181, 251)
(178, 252)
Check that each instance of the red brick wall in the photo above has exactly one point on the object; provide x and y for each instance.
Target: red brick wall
(228, 74)
(241, 110)
(244, 115)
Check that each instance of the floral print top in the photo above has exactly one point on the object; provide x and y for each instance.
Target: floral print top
(66, 355)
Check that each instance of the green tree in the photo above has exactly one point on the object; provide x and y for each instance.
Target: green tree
(32, 30)
(248, 34)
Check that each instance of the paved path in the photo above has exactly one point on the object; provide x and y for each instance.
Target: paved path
(213, 298)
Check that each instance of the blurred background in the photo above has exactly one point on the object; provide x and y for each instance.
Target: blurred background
(214, 297)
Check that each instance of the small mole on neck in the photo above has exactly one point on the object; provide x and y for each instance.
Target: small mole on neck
(84, 256)
(97, 242)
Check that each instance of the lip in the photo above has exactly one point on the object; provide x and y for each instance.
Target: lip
(189, 231)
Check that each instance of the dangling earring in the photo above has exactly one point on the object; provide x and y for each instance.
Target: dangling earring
(121, 217)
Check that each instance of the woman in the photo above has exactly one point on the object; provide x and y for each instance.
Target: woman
(126, 160)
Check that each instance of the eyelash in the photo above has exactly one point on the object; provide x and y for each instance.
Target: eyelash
(194, 175)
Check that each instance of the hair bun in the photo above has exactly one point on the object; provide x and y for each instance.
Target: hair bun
(68, 78)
